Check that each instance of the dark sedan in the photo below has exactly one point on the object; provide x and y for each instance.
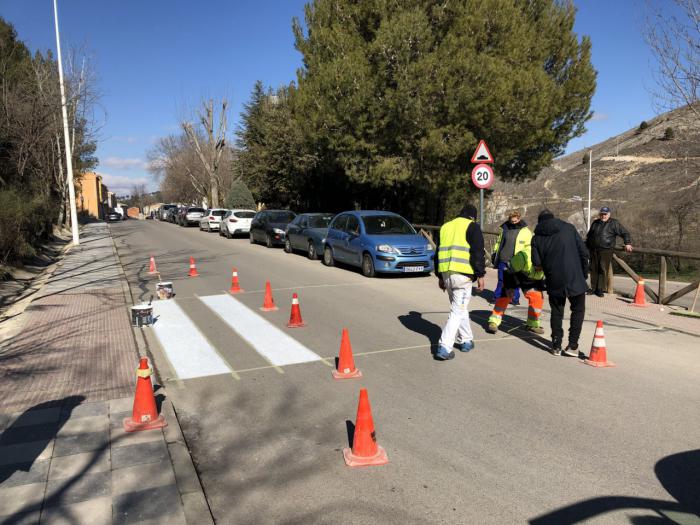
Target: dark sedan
(307, 232)
(268, 226)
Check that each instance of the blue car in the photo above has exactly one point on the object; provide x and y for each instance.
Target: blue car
(306, 232)
(377, 241)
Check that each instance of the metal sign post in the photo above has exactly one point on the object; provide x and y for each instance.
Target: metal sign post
(481, 207)
(482, 175)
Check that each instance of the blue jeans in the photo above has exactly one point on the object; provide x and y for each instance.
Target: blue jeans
(499, 287)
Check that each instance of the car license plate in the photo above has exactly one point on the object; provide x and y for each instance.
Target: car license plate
(407, 269)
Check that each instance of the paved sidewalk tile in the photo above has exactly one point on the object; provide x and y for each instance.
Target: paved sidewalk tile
(159, 503)
(72, 490)
(14, 435)
(140, 454)
(86, 410)
(78, 425)
(22, 498)
(77, 443)
(96, 511)
(142, 477)
(25, 518)
(24, 473)
(122, 438)
(85, 463)
(34, 417)
(125, 404)
(26, 452)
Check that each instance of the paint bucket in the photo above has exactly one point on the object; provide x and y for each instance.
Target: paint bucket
(165, 290)
(142, 315)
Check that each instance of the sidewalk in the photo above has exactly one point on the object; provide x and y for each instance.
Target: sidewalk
(67, 380)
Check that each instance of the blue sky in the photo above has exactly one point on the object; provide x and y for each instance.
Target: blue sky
(155, 58)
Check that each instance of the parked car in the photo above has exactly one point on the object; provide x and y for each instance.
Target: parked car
(164, 210)
(113, 216)
(235, 222)
(190, 215)
(377, 241)
(268, 226)
(307, 232)
(212, 219)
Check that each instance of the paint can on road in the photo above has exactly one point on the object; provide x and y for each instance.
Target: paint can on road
(142, 315)
(164, 290)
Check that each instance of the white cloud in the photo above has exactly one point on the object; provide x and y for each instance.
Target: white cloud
(598, 116)
(122, 184)
(121, 163)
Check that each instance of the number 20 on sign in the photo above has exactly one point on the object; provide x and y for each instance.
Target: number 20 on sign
(482, 176)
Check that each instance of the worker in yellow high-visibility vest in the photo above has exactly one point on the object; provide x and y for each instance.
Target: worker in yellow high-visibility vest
(459, 263)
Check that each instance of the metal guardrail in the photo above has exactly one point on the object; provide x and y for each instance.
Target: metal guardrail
(659, 296)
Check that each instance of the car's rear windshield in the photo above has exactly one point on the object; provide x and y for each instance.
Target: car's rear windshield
(169, 206)
(218, 213)
(281, 216)
(320, 221)
(244, 214)
(387, 225)
(196, 210)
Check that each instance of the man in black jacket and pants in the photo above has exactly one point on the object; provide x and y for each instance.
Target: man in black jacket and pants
(601, 243)
(558, 249)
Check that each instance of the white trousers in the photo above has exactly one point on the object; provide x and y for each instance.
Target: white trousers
(459, 290)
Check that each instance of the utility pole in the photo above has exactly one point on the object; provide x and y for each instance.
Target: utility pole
(590, 172)
(66, 135)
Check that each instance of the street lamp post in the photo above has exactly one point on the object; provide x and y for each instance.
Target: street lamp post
(66, 136)
(590, 171)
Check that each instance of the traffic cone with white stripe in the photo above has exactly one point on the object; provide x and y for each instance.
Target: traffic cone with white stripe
(599, 355)
(268, 303)
(193, 269)
(346, 363)
(639, 297)
(152, 268)
(145, 413)
(235, 287)
(295, 320)
(365, 451)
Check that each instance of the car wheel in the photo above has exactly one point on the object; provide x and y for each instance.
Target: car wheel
(311, 251)
(328, 256)
(287, 246)
(367, 265)
(268, 240)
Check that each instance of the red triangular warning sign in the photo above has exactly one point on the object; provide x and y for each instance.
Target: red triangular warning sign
(482, 155)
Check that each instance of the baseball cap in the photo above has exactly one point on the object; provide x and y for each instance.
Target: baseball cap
(605, 209)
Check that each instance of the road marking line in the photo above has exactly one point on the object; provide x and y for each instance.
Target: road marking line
(308, 286)
(188, 351)
(269, 341)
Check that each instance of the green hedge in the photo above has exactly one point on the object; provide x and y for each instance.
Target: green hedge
(24, 221)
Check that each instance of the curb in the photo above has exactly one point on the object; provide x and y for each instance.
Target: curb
(194, 502)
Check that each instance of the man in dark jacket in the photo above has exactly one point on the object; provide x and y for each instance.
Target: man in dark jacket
(558, 249)
(601, 243)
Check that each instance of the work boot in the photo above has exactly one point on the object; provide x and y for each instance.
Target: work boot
(442, 354)
(556, 348)
(599, 293)
(534, 329)
(571, 350)
(466, 346)
(492, 328)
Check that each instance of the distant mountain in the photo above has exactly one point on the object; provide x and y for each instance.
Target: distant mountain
(650, 182)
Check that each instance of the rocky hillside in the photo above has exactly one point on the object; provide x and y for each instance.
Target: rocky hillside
(650, 182)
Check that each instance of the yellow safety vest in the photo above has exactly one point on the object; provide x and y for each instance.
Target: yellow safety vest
(453, 252)
(522, 262)
(522, 241)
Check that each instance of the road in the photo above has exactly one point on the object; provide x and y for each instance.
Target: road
(504, 434)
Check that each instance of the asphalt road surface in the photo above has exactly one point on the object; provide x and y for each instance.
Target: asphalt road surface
(504, 434)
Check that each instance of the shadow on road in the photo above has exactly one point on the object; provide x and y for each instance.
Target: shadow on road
(680, 476)
(416, 322)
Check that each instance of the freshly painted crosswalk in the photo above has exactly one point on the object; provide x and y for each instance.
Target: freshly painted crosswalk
(188, 351)
(269, 341)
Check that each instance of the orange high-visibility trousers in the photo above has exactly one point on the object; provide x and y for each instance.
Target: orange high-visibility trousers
(535, 301)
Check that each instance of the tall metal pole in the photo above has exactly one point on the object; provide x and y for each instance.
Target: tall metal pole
(590, 171)
(481, 208)
(66, 137)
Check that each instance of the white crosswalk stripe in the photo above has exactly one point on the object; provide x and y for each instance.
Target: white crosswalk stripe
(188, 351)
(269, 341)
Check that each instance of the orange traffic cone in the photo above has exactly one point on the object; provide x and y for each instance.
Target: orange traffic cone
(295, 320)
(365, 451)
(193, 269)
(269, 303)
(235, 287)
(145, 415)
(598, 356)
(152, 268)
(639, 297)
(346, 364)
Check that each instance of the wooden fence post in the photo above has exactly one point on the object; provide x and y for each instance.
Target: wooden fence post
(611, 279)
(662, 279)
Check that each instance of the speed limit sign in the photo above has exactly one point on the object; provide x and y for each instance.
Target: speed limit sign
(482, 176)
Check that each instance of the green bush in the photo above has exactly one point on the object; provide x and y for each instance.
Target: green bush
(24, 221)
(586, 158)
(669, 134)
(240, 196)
(643, 125)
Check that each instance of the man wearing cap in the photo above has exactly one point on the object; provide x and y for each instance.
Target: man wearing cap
(601, 244)
(459, 263)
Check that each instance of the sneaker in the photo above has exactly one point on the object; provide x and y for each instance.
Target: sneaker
(466, 346)
(492, 328)
(556, 348)
(571, 350)
(534, 329)
(442, 354)
(590, 291)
